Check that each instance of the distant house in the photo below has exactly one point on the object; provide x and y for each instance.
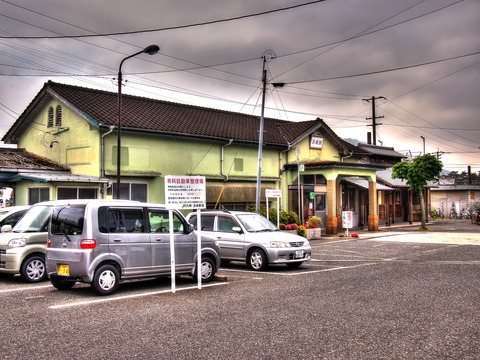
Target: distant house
(36, 178)
(450, 197)
(75, 127)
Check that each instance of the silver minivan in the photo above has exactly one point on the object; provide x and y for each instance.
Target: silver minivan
(250, 237)
(104, 242)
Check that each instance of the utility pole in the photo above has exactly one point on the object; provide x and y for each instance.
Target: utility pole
(423, 138)
(374, 117)
(268, 56)
(439, 154)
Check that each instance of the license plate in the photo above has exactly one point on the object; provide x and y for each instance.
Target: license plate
(299, 254)
(64, 270)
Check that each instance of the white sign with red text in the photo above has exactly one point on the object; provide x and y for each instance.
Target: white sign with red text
(185, 192)
(347, 219)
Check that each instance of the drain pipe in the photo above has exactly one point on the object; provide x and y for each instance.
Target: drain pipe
(350, 154)
(102, 151)
(222, 160)
(280, 168)
(280, 160)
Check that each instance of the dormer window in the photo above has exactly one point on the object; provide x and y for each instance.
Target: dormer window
(58, 116)
(50, 117)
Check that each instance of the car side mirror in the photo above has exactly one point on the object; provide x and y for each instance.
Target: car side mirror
(6, 228)
(237, 229)
(189, 228)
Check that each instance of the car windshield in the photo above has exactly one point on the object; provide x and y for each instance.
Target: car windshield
(34, 220)
(255, 223)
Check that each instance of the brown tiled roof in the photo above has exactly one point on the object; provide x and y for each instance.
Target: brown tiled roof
(380, 150)
(21, 160)
(157, 116)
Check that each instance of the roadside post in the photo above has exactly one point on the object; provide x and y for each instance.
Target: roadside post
(181, 193)
(347, 220)
(277, 194)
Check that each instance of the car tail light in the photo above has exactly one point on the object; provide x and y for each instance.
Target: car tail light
(88, 244)
(49, 242)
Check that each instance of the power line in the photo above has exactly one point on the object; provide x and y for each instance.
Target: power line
(386, 70)
(240, 17)
(371, 32)
(354, 37)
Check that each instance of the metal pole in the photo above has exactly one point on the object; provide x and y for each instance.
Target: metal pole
(260, 140)
(150, 50)
(119, 128)
(298, 184)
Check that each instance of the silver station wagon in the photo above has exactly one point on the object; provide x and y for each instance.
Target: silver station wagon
(250, 237)
(104, 242)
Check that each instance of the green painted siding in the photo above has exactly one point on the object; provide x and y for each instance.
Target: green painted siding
(75, 144)
(147, 158)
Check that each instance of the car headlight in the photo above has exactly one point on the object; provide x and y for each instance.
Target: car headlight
(17, 242)
(279, 244)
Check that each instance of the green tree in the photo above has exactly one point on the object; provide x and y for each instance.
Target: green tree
(418, 173)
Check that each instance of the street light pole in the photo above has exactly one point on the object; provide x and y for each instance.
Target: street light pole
(151, 50)
(423, 138)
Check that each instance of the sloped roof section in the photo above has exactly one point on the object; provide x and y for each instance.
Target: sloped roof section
(16, 159)
(380, 150)
(157, 116)
(385, 176)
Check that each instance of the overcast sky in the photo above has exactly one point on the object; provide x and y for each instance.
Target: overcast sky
(420, 58)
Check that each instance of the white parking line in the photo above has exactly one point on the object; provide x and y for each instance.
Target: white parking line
(25, 288)
(306, 272)
(107, 299)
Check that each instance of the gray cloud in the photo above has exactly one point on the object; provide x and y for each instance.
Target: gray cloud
(435, 101)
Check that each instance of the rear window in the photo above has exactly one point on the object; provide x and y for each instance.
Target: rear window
(207, 222)
(68, 220)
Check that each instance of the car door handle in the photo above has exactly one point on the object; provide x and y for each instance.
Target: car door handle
(158, 239)
(117, 239)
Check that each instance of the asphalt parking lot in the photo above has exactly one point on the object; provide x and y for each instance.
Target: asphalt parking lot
(394, 294)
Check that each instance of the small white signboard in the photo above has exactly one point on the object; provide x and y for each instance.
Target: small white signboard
(276, 193)
(347, 220)
(185, 192)
(316, 142)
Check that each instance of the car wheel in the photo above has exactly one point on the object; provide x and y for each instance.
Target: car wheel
(33, 269)
(294, 265)
(106, 280)
(207, 270)
(61, 283)
(257, 260)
